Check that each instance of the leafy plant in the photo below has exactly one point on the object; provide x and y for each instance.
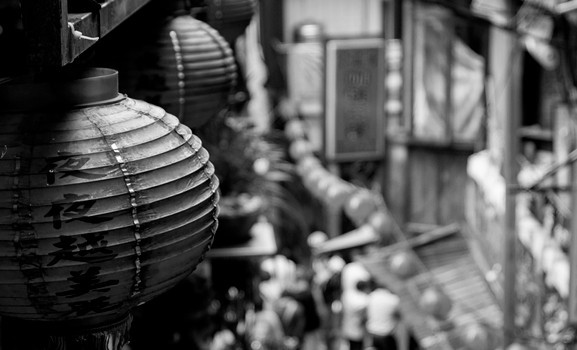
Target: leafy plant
(250, 164)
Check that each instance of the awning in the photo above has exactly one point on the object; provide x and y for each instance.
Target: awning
(446, 260)
(262, 243)
(356, 238)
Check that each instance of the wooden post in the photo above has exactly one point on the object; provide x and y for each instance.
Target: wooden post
(46, 32)
(409, 20)
(572, 304)
(449, 41)
(511, 169)
(333, 216)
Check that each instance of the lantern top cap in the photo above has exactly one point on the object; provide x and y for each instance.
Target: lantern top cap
(66, 88)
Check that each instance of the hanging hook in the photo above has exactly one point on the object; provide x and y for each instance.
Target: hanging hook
(78, 34)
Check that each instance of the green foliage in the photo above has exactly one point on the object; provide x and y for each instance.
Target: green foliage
(248, 164)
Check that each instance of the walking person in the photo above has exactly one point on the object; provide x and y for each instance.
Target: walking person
(383, 316)
(354, 302)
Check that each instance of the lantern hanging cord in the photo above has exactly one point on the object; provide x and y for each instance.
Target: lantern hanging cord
(78, 34)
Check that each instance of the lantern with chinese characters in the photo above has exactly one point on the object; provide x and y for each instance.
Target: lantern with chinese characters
(105, 203)
(186, 67)
(230, 17)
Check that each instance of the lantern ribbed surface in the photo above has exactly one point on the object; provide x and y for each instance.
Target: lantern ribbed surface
(102, 207)
(230, 17)
(189, 70)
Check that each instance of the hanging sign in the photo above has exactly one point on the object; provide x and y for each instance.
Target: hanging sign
(354, 99)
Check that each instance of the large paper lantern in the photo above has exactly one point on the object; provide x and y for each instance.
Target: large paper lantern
(105, 202)
(230, 17)
(187, 68)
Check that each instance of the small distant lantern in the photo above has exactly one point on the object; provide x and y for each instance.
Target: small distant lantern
(300, 149)
(338, 194)
(394, 80)
(436, 303)
(188, 69)
(105, 202)
(360, 206)
(403, 264)
(383, 223)
(476, 337)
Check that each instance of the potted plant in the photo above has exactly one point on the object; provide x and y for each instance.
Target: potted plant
(251, 168)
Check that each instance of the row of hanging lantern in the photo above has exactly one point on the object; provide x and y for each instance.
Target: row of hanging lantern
(107, 200)
(361, 205)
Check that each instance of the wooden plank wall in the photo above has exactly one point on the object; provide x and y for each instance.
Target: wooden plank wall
(436, 187)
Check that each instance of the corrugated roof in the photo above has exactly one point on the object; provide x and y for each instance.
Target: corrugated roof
(445, 261)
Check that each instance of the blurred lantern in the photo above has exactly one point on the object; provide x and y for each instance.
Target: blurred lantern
(294, 130)
(316, 238)
(476, 337)
(230, 17)
(187, 68)
(403, 264)
(338, 194)
(299, 149)
(307, 163)
(327, 181)
(394, 81)
(106, 202)
(436, 303)
(360, 205)
(314, 177)
(382, 222)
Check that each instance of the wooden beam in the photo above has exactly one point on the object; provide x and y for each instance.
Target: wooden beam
(45, 25)
(49, 38)
(422, 239)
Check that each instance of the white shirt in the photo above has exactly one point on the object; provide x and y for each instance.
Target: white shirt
(354, 310)
(381, 308)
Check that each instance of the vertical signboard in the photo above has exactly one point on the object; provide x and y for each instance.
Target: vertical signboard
(354, 99)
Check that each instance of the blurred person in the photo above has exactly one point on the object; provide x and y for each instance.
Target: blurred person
(383, 316)
(292, 316)
(264, 328)
(302, 292)
(331, 292)
(280, 272)
(332, 288)
(223, 340)
(354, 299)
